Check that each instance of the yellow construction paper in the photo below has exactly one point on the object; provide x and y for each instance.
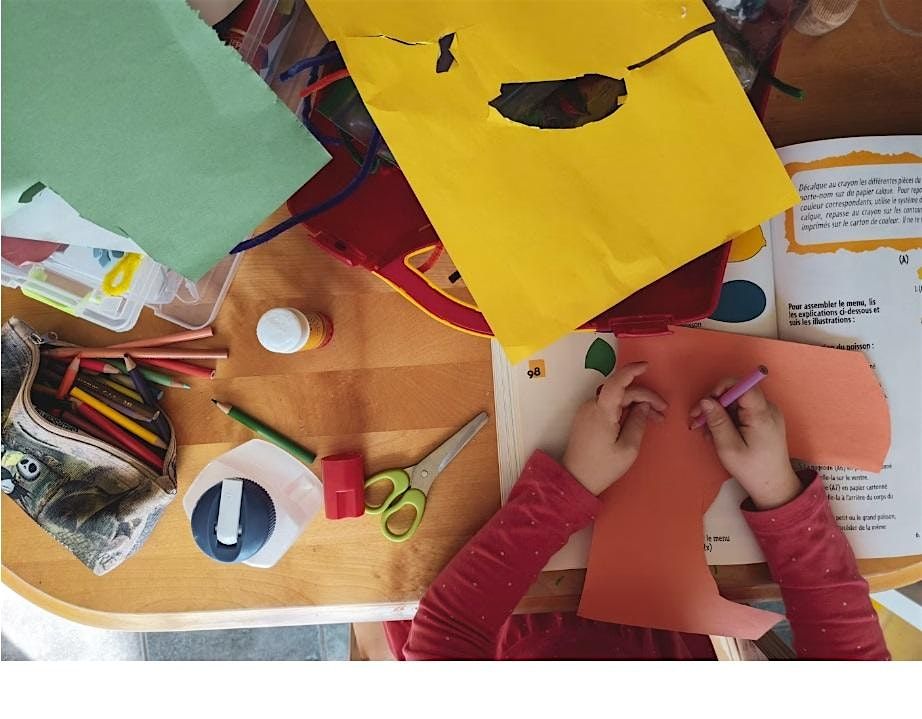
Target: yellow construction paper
(551, 227)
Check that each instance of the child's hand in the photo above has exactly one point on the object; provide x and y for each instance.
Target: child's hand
(752, 445)
(607, 431)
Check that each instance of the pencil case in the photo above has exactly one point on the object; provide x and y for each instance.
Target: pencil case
(92, 497)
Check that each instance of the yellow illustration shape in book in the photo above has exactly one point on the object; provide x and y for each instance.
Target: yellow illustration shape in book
(550, 227)
(747, 245)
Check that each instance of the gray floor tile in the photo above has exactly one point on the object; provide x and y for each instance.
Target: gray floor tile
(913, 591)
(335, 641)
(32, 633)
(9, 652)
(273, 644)
(782, 628)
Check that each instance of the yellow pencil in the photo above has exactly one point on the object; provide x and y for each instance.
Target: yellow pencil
(118, 418)
(124, 390)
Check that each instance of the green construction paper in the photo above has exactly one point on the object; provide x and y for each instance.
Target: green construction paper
(141, 119)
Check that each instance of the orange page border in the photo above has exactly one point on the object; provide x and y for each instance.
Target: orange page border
(859, 157)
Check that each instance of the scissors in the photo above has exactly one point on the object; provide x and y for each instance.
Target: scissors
(411, 484)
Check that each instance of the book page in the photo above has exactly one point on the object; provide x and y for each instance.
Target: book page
(535, 403)
(747, 296)
(848, 274)
(534, 409)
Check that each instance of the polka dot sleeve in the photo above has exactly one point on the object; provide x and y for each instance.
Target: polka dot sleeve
(825, 597)
(465, 609)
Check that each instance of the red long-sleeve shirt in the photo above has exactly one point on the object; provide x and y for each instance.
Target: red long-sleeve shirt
(467, 611)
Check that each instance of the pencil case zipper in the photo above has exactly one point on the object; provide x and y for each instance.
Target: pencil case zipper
(35, 341)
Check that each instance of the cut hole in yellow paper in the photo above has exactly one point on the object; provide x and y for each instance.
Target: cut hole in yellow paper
(561, 104)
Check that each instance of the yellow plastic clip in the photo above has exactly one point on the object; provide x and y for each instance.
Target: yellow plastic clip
(118, 279)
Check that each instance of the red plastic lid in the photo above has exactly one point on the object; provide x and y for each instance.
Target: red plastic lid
(343, 485)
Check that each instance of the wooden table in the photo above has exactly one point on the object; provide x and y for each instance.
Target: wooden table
(392, 384)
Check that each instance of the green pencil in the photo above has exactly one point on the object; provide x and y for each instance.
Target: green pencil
(150, 375)
(268, 434)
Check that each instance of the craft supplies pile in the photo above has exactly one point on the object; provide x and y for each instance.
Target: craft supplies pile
(587, 174)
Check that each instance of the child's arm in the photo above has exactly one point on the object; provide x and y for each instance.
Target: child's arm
(825, 597)
(464, 610)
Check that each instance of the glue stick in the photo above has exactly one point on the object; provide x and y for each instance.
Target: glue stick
(287, 330)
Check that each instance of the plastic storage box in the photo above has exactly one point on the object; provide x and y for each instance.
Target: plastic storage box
(71, 280)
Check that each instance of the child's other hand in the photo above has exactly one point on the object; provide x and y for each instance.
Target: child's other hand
(607, 431)
(751, 445)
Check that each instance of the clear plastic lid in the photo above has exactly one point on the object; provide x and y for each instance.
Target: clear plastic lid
(73, 280)
(196, 304)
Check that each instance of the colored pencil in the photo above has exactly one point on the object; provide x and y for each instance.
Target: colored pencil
(267, 433)
(50, 376)
(167, 339)
(137, 353)
(47, 397)
(129, 443)
(186, 368)
(44, 390)
(85, 426)
(97, 366)
(152, 375)
(127, 391)
(117, 401)
(124, 381)
(70, 374)
(118, 418)
(134, 372)
(735, 392)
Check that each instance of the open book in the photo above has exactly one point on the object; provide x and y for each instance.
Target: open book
(842, 269)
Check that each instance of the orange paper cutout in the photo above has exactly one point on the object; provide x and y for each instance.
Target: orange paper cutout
(647, 565)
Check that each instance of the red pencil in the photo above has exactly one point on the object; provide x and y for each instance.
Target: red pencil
(167, 339)
(186, 368)
(67, 381)
(137, 353)
(85, 426)
(129, 443)
(96, 365)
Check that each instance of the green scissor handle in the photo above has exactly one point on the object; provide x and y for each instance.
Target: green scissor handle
(400, 481)
(411, 498)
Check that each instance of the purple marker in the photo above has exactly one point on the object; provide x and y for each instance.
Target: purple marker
(735, 392)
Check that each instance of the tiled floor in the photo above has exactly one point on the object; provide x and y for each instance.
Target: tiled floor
(32, 633)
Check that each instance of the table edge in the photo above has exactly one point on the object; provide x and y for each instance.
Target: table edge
(209, 619)
(357, 613)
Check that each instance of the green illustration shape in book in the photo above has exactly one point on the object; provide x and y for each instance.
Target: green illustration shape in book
(601, 357)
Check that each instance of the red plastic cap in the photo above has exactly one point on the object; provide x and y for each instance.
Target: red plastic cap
(343, 485)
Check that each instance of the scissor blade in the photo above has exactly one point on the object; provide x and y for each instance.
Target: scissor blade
(426, 471)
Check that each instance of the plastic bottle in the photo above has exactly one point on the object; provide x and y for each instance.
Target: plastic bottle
(286, 330)
(822, 16)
